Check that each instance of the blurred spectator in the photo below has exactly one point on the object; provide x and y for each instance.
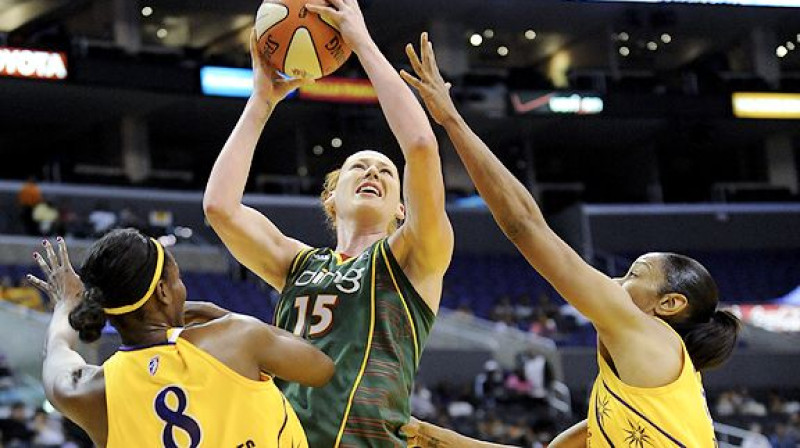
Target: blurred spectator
(538, 373)
(16, 433)
(45, 215)
(127, 218)
(464, 311)
(490, 384)
(461, 406)
(568, 310)
(756, 439)
(28, 197)
(519, 433)
(493, 429)
(775, 402)
(517, 386)
(784, 437)
(70, 223)
(102, 219)
(503, 311)
(48, 432)
(726, 405)
(422, 402)
(543, 325)
(546, 305)
(777, 405)
(523, 310)
(749, 405)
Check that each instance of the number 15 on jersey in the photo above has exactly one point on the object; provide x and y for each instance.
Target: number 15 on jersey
(316, 314)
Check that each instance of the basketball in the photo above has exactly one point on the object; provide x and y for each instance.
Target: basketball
(298, 42)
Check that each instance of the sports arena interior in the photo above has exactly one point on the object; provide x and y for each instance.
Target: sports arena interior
(638, 126)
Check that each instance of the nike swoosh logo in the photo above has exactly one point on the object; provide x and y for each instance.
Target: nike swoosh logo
(528, 106)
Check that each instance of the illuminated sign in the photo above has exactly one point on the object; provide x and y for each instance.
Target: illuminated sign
(340, 90)
(226, 81)
(778, 318)
(766, 105)
(550, 103)
(238, 83)
(778, 3)
(32, 64)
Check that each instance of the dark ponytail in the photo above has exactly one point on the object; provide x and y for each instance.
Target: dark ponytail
(710, 335)
(711, 343)
(88, 318)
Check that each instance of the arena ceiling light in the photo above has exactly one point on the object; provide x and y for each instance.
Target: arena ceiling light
(476, 40)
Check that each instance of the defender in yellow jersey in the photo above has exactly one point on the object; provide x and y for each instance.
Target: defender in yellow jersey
(206, 385)
(673, 415)
(648, 393)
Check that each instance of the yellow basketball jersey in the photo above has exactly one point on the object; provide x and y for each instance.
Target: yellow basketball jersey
(675, 415)
(176, 395)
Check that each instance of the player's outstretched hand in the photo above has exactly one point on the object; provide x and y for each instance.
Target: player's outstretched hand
(346, 16)
(435, 92)
(268, 84)
(62, 284)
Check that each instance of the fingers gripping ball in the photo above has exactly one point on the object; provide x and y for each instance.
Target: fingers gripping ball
(298, 42)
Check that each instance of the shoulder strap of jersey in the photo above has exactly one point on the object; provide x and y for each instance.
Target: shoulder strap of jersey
(173, 334)
(300, 260)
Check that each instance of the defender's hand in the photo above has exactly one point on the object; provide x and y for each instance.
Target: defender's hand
(435, 92)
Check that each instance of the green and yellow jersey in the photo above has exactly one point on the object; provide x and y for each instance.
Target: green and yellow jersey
(364, 313)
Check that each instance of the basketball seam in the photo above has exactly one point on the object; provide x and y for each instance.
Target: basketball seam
(329, 25)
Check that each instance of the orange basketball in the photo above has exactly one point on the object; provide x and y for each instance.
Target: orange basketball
(298, 42)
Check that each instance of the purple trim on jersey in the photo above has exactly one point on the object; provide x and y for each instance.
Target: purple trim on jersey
(133, 348)
(600, 422)
(675, 441)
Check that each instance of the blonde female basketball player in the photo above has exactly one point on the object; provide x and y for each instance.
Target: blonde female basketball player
(369, 302)
(168, 386)
(658, 326)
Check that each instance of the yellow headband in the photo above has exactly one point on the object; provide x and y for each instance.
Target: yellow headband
(156, 275)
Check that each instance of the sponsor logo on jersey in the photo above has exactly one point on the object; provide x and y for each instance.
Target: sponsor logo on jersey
(348, 282)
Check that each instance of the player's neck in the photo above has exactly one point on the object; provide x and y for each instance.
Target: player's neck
(144, 334)
(354, 240)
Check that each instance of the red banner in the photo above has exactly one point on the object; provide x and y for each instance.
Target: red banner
(778, 318)
(32, 64)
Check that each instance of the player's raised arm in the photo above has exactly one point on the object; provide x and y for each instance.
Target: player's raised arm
(250, 236)
(72, 385)
(595, 295)
(427, 229)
